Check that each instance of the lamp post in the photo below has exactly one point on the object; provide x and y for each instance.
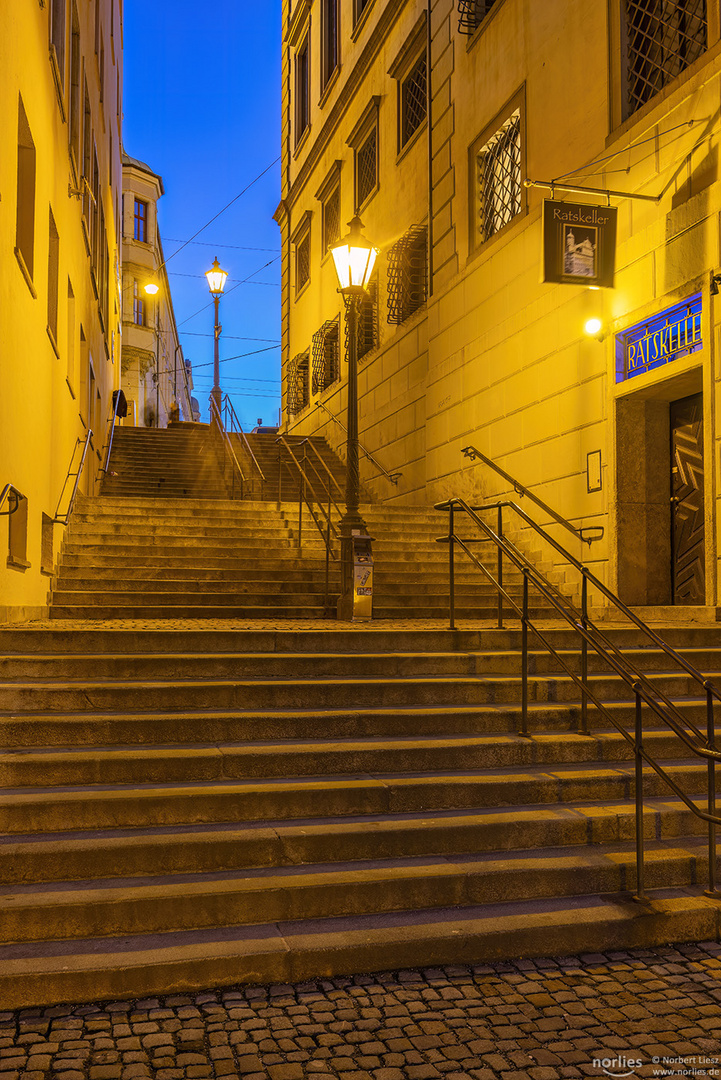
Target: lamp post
(354, 258)
(216, 283)
(152, 289)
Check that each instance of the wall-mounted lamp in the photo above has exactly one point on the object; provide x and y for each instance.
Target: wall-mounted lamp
(594, 328)
(715, 282)
(152, 288)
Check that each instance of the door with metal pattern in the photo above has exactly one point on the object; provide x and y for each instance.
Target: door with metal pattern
(687, 501)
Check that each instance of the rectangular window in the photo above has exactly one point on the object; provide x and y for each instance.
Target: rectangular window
(74, 96)
(407, 273)
(138, 306)
(359, 7)
(326, 355)
(471, 14)
(498, 185)
(72, 330)
(366, 167)
(25, 220)
(53, 272)
(413, 101)
(140, 221)
(329, 31)
(298, 383)
(331, 218)
(663, 38)
(87, 148)
(57, 38)
(302, 89)
(302, 262)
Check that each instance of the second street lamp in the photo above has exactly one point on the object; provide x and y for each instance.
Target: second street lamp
(354, 258)
(216, 283)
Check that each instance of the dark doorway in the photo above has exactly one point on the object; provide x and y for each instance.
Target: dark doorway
(688, 556)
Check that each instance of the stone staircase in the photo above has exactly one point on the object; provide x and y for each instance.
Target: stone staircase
(199, 807)
(177, 462)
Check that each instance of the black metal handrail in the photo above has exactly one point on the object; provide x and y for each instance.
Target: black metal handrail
(323, 522)
(10, 492)
(644, 691)
(471, 452)
(63, 518)
(109, 445)
(216, 424)
(236, 428)
(393, 477)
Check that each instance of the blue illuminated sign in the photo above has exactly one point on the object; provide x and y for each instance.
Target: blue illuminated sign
(674, 333)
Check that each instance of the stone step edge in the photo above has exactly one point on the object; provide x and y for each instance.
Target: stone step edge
(106, 968)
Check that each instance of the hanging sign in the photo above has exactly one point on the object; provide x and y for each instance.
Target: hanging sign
(579, 243)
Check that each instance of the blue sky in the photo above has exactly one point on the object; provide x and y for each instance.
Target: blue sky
(202, 108)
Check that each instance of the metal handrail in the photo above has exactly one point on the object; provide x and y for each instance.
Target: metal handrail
(324, 526)
(217, 422)
(471, 452)
(113, 418)
(238, 430)
(393, 477)
(62, 519)
(643, 689)
(10, 491)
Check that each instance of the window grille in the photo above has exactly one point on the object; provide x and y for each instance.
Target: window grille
(366, 167)
(471, 14)
(302, 262)
(297, 384)
(331, 219)
(326, 356)
(407, 262)
(366, 321)
(499, 179)
(302, 89)
(413, 100)
(663, 39)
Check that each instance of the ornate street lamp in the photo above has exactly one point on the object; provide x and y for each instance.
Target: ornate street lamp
(216, 283)
(354, 258)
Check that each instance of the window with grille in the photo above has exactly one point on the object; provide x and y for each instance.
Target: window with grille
(407, 272)
(302, 89)
(498, 180)
(663, 38)
(413, 99)
(302, 262)
(471, 14)
(366, 320)
(330, 40)
(326, 356)
(140, 221)
(298, 384)
(366, 166)
(331, 218)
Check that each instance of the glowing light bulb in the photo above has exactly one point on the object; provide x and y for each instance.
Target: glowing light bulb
(593, 327)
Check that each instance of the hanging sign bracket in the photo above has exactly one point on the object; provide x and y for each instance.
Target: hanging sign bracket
(554, 186)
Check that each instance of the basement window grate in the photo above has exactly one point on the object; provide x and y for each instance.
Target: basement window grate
(471, 14)
(407, 272)
(663, 38)
(326, 355)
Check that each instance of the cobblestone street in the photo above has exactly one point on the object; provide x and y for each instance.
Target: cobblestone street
(529, 1020)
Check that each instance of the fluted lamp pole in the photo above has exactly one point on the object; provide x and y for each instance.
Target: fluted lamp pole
(354, 258)
(216, 283)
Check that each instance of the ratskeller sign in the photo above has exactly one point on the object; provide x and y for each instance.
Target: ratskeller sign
(579, 243)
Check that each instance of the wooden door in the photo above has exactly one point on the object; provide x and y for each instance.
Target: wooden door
(688, 570)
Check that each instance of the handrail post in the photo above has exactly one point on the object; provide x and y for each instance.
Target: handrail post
(500, 569)
(327, 557)
(638, 750)
(451, 570)
(711, 764)
(583, 729)
(280, 476)
(524, 659)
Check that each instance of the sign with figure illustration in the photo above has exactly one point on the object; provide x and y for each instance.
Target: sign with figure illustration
(579, 243)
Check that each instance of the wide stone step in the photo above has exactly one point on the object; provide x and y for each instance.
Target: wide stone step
(113, 907)
(234, 583)
(144, 563)
(135, 966)
(186, 611)
(28, 810)
(73, 856)
(168, 531)
(252, 594)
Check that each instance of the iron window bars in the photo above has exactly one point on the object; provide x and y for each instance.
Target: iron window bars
(413, 99)
(366, 164)
(471, 14)
(663, 38)
(366, 320)
(326, 355)
(297, 383)
(499, 188)
(407, 274)
(331, 218)
(302, 262)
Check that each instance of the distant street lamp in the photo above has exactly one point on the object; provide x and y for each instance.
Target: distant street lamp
(216, 283)
(152, 289)
(354, 258)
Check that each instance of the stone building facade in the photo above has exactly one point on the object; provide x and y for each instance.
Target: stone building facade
(60, 195)
(156, 379)
(461, 343)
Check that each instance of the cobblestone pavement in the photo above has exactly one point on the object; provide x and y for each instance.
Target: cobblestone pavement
(615, 1014)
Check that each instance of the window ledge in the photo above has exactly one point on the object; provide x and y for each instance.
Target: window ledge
(483, 25)
(332, 80)
(361, 21)
(423, 126)
(299, 292)
(371, 195)
(301, 141)
(58, 81)
(70, 388)
(26, 273)
(53, 342)
(21, 565)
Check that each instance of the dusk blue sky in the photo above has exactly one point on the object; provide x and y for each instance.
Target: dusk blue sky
(202, 108)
